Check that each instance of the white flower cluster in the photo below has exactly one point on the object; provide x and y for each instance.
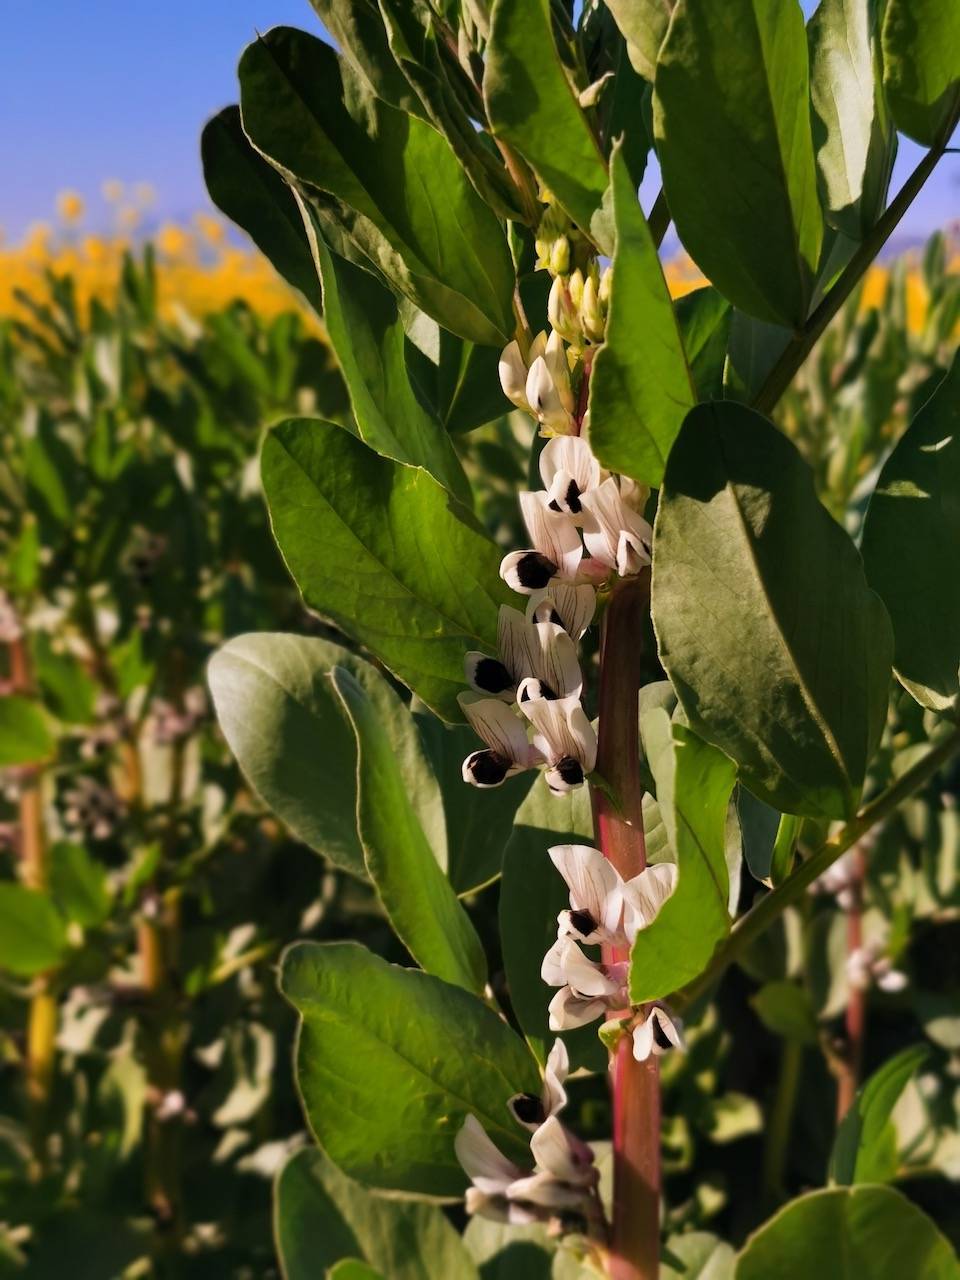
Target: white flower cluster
(870, 965)
(563, 1181)
(605, 910)
(537, 667)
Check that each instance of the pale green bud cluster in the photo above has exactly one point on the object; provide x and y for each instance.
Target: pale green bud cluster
(577, 306)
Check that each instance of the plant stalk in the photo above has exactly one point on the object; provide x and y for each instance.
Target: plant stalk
(855, 1016)
(35, 874)
(769, 907)
(780, 1123)
(800, 345)
(635, 1086)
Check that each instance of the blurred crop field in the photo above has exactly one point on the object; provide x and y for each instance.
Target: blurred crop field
(146, 1087)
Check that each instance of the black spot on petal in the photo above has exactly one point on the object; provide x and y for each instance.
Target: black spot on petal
(583, 922)
(660, 1036)
(554, 505)
(492, 676)
(487, 768)
(527, 1108)
(573, 498)
(570, 770)
(534, 571)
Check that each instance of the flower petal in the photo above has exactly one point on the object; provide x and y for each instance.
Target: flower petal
(513, 376)
(572, 606)
(555, 1154)
(553, 535)
(569, 1011)
(607, 517)
(554, 1075)
(594, 884)
(486, 1166)
(645, 894)
(562, 730)
(499, 727)
(489, 676)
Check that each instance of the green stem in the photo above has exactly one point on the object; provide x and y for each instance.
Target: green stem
(797, 350)
(781, 1122)
(770, 907)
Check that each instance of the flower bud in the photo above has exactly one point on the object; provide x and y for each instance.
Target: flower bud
(560, 256)
(591, 316)
(563, 314)
(513, 376)
(555, 355)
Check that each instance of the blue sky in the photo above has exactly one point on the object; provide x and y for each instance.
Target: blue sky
(95, 89)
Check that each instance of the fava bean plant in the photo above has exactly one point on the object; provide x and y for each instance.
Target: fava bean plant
(657, 792)
(676, 683)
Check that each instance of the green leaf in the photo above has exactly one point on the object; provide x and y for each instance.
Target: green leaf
(532, 105)
(417, 41)
(479, 822)
(322, 1217)
(911, 547)
(25, 736)
(366, 333)
(640, 387)
(704, 316)
(732, 123)
(251, 193)
(68, 690)
(417, 896)
(848, 1234)
(383, 552)
(702, 1255)
(784, 848)
(358, 31)
(389, 1063)
(785, 1009)
(778, 650)
(758, 828)
(694, 784)
(284, 723)
(79, 884)
(865, 1146)
(643, 24)
(921, 67)
(401, 194)
(352, 1269)
(32, 936)
(504, 1251)
(532, 893)
(854, 137)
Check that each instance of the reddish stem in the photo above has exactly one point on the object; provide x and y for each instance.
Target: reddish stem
(635, 1086)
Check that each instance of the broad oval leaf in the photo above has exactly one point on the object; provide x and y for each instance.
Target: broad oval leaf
(911, 547)
(251, 193)
(921, 67)
(366, 332)
(417, 897)
(848, 1234)
(389, 1063)
(358, 30)
(643, 24)
(479, 821)
(285, 726)
(414, 212)
(732, 123)
(640, 385)
(32, 935)
(383, 551)
(694, 784)
(25, 736)
(865, 1146)
(855, 139)
(531, 103)
(777, 648)
(322, 1217)
(78, 883)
